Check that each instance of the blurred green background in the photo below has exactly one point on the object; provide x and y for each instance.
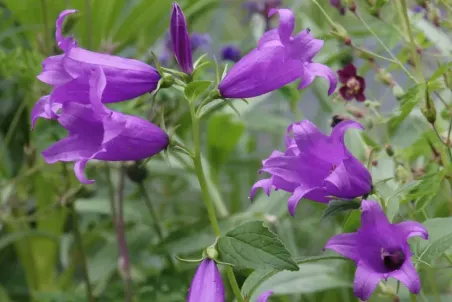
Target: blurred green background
(39, 256)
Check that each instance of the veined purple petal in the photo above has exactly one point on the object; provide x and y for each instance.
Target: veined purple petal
(207, 284)
(408, 275)
(44, 108)
(345, 244)
(53, 72)
(264, 296)
(79, 169)
(181, 39)
(410, 229)
(313, 70)
(286, 23)
(365, 282)
(64, 43)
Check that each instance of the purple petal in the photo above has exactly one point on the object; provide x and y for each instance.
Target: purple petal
(259, 72)
(410, 229)
(349, 180)
(286, 23)
(346, 73)
(44, 108)
(365, 282)
(264, 296)
(53, 72)
(265, 184)
(297, 195)
(97, 84)
(345, 244)
(313, 70)
(79, 169)
(269, 36)
(207, 284)
(64, 43)
(372, 215)
(408, 275)
(339, 130)
(181, 39)
(304, 47)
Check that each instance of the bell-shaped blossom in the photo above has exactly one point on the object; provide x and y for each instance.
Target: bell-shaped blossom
(96, 132)
(264, 296)
(207, 284)
(278, 60)
(231, 53)
(181, 39)
(69, 72)
(380, 250)
(353, 84)
(315, 166)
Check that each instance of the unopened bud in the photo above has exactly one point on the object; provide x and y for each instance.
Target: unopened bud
(429, 110)
(402, 174)
(167, 81)
(341, 34)
(398, 92)
(385, 77)
(389, 150)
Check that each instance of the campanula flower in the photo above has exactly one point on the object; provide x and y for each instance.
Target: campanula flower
(315, 166)
(69, 72)
(380, 250)
(278, 60)
(181, 39)
(264, 296)
(96, 132)
(354, 85)
(206, 284)
(230, 53)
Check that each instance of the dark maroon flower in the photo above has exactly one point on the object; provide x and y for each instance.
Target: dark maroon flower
(354, 85)
(338, 4)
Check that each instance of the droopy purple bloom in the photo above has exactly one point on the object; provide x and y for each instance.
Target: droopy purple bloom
(315, 166)
(278, 60)
(206, 284)
(96, 132)
(181, 39)
(264, 296)
(69, 72)
(380, 250)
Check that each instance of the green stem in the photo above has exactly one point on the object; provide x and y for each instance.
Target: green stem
(413, 297)
(155, 220)
(373, 54)
(206, 196)
(88, 23)
(443, 142)
(448, 140)
(410, 35)
(332, 23)
(45, 19)
(79, 240)
(385, 47)
(12, 128)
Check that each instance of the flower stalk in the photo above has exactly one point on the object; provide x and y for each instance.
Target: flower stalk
(206, 196)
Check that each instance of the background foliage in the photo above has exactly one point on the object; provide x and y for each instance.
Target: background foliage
(42, 205)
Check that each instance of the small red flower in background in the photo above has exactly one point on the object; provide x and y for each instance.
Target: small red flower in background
(354, 85)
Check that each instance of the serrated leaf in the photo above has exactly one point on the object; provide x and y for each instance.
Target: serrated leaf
(440, 239)
(193, 90)
(252, 245)
(337, 206)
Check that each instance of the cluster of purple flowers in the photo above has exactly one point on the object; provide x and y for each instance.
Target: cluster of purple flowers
(313, 165)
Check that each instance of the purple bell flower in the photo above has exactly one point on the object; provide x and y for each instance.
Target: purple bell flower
(181, 39)
(231, 53)
(264, 296)
(69, 72)
(206, 284)
(315, 166)
(380, 250)
(96, 132)
(278, 60)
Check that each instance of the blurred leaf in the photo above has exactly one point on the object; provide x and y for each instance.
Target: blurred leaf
(352, 222)
(223, 134)
(407, 103)
(251, 245)
(195, 89)
(439, 239)
(337, 206)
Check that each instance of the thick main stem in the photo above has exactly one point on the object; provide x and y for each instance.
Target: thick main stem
(124, 259)
(81, 252)
(206, 196)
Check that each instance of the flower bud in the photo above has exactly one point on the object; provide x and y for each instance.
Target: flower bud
(389, 150)
(429, 110)
(212, 252)
(398, 92)
(167, 81)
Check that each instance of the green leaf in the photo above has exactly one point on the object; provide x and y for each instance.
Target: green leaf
(407, 103)
(337, 206)
(195, 89)
(311, 278)
(251, 245)
(223, 134)
(352, 222)
(439, 241)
